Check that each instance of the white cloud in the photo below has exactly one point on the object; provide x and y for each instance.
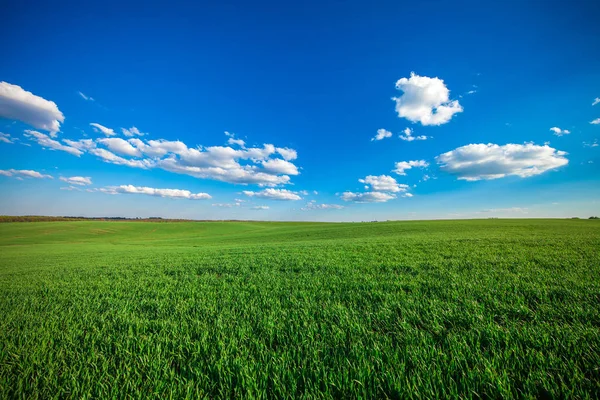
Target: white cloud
(287, 154)
(260, 208)
(77, 180)
(102, 129)
(474, 162)
(18, 173)
(82, 144)
(367, 197)
(238, 142)
(133, 131)
(255, 165)
(279, 166)
(593, 144)
(472, 92)
(382, 134)
(112, 158)
(402, 166)
(595, 122)
(227, 205)
(559, 132)
(383, 183)
(19, 104)
(120, 146)
(505, 210)
(274, 194)
(6, 138)
(312, 205)
(596, 101)
(45, 141)
(425, 100)
(87, 98)
(407, 136)
(168, 193)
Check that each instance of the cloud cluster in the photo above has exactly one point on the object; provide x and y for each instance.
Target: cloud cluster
(6, 138)
(560, 132)
(21, 105)
(312, 205)
(265, 166)
(408, 137)
(48, 143)
(259, 208)
(273, 194)
(133, 131)
(27, 173)
(402, 166)
(367, 197)
(382, 134)
(475, 162)
(425, 100)
(167, 193)
(77, 180)
(383, 183)
(595, 122)
(379, 190)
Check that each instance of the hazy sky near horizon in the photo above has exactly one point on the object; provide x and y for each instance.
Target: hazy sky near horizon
(325, 111)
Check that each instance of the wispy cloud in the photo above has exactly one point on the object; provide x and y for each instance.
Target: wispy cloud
(167, 193)
(27, 173)
(87, 98)
(77, 180)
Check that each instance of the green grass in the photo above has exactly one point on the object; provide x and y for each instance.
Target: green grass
(444, 309)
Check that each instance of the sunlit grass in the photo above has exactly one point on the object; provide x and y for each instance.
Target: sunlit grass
(495, 308)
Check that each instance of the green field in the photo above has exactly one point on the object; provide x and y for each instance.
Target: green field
(486, 308)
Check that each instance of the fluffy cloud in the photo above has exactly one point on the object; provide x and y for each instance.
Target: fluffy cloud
(596, 101)
(77, 180)
(474, 162)
(19, 104)
(102, 129)
(367, 197)
(312, 205)
(382, 134)
(279, 166)
(383, 183)
(425, 100)
(238, 142)
(120, 146)
(133, 131)
(287, 154)
(168, 193)
(254, 165)
(260, 208)
(6, 138)
(402, 166)
(559, 132)
(23, 173)
(595, 122)
(407, 135)
(45, 141)
(273, 194)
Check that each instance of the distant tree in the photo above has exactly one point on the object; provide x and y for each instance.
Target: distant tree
(594, 217)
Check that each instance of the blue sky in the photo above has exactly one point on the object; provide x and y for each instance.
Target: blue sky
(348, 111)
